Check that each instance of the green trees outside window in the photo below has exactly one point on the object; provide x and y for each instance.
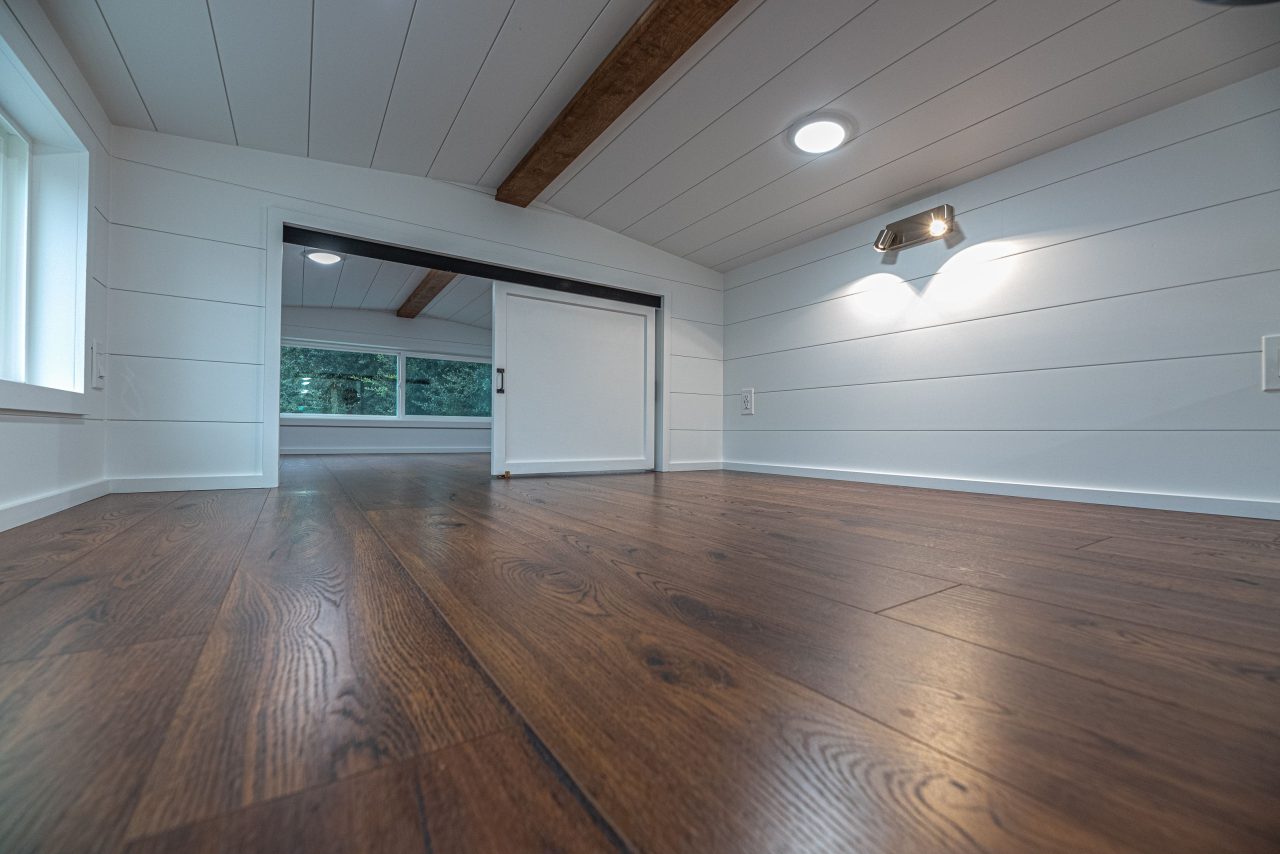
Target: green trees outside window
(337, 382)
(317, 381)
(446, 387)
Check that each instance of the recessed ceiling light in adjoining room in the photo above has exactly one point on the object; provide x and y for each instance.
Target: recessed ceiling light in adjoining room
(323, 257)
(820, 133)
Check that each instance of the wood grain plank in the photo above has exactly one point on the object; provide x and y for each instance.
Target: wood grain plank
(426, 290)
(368, 814)
(696, 653)
(1256, 561)
(496, 793)
(659, 37)
(851, 533)
(162, 578)
(1150, 602)
(1230, 682)
(1074, 515)
(324, 662)
(10, 589)
(1177, 779)
(504, 792)
(77, 734)
(41, 548)
(624, 697)
(842, 525)
(794, 559)
(840, 514)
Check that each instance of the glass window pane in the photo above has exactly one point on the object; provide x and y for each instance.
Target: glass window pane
(337, 382)
(446, 387)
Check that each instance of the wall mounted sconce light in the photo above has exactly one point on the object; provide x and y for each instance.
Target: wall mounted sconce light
(917, 228)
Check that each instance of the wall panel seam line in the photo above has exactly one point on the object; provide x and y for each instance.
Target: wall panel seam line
(187, 236)
(185, 420)
(533, 102)
(462, 104)
(184, 359)
(379, 334)
(941, 139)
(279, 195)
(1020, 192)
(844, 94)
(1005, 373)
(927, 276)
(185, 296)
(832, 34)
(622, 129)
(990, 317)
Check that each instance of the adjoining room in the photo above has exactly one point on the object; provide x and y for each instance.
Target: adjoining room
(644, 425)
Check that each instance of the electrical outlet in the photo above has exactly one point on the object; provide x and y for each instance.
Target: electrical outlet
(1271, 363)
(747, 406)
(98, 365)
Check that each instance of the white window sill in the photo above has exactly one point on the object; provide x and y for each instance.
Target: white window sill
(287, 420)
(22, 397)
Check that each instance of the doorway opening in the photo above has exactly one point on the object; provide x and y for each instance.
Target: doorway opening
(386, 349)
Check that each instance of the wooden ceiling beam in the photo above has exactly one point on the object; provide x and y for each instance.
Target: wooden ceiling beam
(427, 290)
(659, 37)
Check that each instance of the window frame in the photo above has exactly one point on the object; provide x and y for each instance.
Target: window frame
(56, 371)
(14, 283)
(400, 419)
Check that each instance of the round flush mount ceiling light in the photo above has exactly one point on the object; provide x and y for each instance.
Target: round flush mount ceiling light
(819, 133)
(323, 257)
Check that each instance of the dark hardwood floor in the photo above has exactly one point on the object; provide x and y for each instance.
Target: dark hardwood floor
(398, 653)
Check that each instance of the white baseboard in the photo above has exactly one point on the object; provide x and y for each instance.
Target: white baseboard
(696, 465)
(1149, 500)
(29, 509)
(194, 482)
(299, 451)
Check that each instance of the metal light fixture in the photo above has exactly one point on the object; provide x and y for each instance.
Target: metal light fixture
(915, 229)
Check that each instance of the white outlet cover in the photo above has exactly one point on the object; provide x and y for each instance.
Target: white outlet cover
(98, 365)
(1271, 363)
(747, 404)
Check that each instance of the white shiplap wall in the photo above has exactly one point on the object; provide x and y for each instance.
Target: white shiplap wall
(47, 462)
(1094, 334)
(189, 239)
(383, 330)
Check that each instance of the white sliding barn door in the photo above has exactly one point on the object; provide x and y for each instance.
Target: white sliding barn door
(576, 388)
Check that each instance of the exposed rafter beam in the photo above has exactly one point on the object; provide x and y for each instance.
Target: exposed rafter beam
(659, 37)
(427, 290)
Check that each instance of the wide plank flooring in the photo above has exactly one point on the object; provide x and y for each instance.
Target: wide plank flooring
(398, 653)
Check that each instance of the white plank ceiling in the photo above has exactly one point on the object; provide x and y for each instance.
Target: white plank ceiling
(940, 92)
(367, 283)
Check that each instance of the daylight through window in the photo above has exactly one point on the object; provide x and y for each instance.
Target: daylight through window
(323, 381)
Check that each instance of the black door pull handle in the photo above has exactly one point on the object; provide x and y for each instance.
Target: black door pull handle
(502, 380)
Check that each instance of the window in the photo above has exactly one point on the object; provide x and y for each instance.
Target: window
(446, 387)
(337, 382)
(15, 154)
(45, 267)
(327, 381)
